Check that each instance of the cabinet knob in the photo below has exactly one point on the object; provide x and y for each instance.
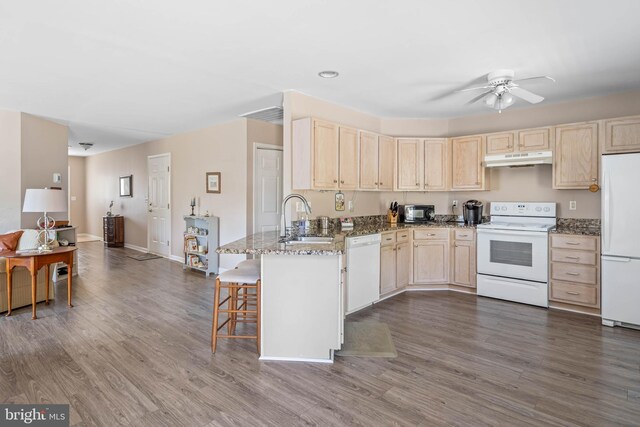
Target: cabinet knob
(341, 182)
(398, 248)
(394, 249)
(417, 184)
(375, 183)
(335, 181)
(572, 293)
(380, 183)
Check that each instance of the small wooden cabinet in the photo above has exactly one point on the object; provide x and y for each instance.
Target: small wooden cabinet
(467, 157)
(431, 256)
(347, 158)
(621, 135)
(423, 164)
(113, 228)
(525, 140)
(377, 161)
(463, 265)
(575, 164)
(575, 272)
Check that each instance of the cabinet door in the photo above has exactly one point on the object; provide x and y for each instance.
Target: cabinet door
(386, 162)
(409, 164)
(368, 161)
(500, 143)
(431, 261)
(466, 163)
(622, 135)
(325, 155)
(464, 263)
(575, 164)
(348, 158)
(533, 140)
(436, 161)
(387, 269)
(403, 264)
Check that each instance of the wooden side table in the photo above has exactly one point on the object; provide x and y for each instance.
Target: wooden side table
(34, 261)
(113, 231)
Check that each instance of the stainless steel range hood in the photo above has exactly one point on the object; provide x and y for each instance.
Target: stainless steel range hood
(519, 159)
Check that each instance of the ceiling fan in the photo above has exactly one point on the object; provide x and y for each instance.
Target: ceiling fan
(502, 89)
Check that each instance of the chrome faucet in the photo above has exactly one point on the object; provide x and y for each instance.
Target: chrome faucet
(283, 221)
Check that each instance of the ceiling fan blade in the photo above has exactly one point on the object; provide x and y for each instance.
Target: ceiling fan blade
(526, 95)
(535, 78)
(479, 97)
(474, 88)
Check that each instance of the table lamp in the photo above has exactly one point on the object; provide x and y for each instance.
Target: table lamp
(44, 200)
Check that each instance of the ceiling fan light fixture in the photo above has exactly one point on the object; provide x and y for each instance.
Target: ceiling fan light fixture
(507, 98)
(490, 100)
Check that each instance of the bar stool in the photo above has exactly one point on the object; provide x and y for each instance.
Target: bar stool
(239, 279)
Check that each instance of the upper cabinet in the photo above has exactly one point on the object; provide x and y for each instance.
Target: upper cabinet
(436, 164)
(467, 170)
(348, 158)
(576, 156)
(621, 135)
(521, 141)
(409, 164)
(377, 160)
(423, 164)
(325, 146)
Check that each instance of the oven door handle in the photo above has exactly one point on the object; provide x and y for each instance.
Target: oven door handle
(513, 233)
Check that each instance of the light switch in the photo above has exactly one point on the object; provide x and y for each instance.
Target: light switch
(57, 178)
(572, 205)
(73, 198)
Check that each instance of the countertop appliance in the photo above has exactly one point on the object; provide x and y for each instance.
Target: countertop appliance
(472, 211)
(416, 213)
(620, 261)
(513, 254)
(363, 271)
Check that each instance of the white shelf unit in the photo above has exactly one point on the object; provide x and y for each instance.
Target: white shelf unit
(206, 236)
(68, 234)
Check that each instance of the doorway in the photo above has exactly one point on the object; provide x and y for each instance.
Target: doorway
(159, 204)
(267, 187)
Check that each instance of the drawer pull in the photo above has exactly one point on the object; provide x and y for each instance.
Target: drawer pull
(388, 238)
(404, 235)
(573, 243)
(568, 273)
(573, 257)
(431, 234)
(464, 235)
(572, 293)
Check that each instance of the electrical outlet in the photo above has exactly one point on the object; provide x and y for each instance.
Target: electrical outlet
(454, 204)
(572, 205)
(350, 205)
(299, 207)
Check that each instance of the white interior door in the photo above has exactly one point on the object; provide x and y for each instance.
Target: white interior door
(267, 189)
(159, 207)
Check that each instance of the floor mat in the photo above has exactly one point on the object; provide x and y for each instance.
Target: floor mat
(367, 339)
(144, 257)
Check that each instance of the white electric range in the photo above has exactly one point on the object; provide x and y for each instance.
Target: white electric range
(513, 254)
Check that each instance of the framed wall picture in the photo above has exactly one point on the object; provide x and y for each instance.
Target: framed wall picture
(213, 182)
(126, 186)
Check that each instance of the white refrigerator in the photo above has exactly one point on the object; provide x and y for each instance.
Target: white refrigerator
(620, 259)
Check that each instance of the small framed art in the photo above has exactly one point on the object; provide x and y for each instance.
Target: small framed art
(213, 182)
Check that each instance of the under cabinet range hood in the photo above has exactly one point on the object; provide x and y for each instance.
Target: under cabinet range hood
(519, 159)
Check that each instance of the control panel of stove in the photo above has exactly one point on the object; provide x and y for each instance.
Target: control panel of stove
(542, 209)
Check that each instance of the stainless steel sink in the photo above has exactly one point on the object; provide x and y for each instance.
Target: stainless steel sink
(308, 240)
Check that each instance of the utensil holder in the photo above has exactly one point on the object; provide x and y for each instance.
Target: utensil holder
(392, 217)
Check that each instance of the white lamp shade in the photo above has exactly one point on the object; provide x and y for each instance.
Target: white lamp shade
(44, 200)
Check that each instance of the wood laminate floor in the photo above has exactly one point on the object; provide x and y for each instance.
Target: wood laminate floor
(135, 350)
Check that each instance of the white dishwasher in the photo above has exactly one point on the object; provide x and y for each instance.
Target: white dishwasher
(363, 271)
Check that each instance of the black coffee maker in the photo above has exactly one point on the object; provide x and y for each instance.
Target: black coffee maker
(472, 211)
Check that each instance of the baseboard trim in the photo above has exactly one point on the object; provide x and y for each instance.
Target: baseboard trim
(90, 236)
(294, 359)
(176, 258)
(136, 248)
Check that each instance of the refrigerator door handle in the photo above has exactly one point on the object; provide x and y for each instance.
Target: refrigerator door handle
(615, 259)
(606, 211)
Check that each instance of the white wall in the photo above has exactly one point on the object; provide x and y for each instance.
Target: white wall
(10, 189)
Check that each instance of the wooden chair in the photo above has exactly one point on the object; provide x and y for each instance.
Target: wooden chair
(241, 305)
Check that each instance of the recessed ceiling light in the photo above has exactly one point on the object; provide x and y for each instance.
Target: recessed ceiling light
(328, 74)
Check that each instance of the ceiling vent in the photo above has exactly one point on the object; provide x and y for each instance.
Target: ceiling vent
(270, 114)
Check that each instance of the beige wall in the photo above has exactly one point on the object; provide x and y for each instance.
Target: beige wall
(258, 132)
(221, 148)
(44, 152)
(10, 189)
(507, 184)
(77, 192)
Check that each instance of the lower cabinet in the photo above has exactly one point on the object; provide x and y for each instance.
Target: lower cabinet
(431, 256)
(395, 261)
(463, 271)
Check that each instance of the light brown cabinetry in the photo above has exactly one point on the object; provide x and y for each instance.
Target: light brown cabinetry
(395, 261)
(463, 265)
(436, 164)
(348, 158)
(621, 135)
(377, 160)
(325, 154)
(431, 256)
(423, 164)
(575, 272)
(409, 163)
(467, 170)
(525, 140)
(500, 143)
(576, 156)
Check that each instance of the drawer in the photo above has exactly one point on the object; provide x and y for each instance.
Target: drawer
(465, 234)
(574, 257)
(574, 273)
(565, 241)
(574, 293)
(431, 234)
(403, 236)
(388, 239)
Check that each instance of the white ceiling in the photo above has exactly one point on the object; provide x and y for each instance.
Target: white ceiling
(123, 72)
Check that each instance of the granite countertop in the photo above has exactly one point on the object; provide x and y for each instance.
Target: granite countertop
(577, 226)
(269, 243)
